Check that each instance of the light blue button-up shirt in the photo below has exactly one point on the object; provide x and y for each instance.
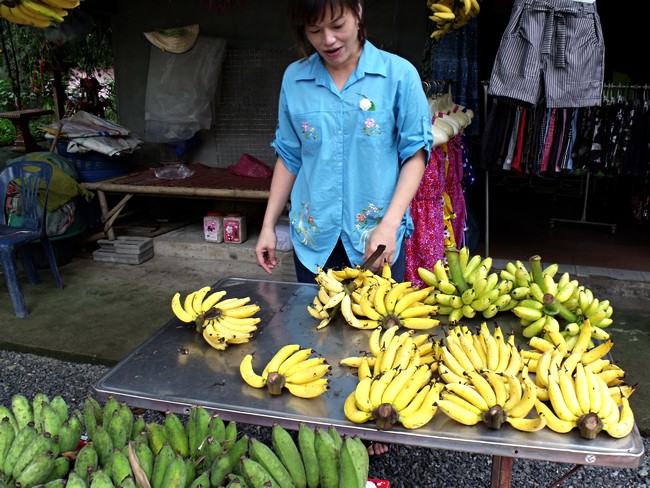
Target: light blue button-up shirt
(346, 149)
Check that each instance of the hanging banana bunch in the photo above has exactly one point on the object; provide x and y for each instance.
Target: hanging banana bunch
(37, 13)
(449, 15)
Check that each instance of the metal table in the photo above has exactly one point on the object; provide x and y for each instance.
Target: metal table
(176, 369)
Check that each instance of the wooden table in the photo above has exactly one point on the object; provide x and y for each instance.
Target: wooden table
(24, 142)
(206, 182)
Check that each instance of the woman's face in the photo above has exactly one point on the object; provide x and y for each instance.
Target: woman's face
(335, 38)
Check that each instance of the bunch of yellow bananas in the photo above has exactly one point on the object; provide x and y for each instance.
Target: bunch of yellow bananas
(580, 387)
(466, 287)
(221, 321)
(292, 367)
(493, 398)
(449, 15)
(389, 349)
(367, 300)
(37, 13)
(464, 351)
(396, 381)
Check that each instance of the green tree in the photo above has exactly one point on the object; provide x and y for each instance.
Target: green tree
(39, 66)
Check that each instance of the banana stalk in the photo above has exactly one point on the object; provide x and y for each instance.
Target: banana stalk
(455, 271)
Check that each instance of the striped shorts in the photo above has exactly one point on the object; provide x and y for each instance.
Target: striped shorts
(552, 50)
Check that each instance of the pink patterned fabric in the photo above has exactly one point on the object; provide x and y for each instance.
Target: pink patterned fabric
(454, 187)
(426, 244)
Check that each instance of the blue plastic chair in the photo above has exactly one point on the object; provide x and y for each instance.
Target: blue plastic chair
(31, 180)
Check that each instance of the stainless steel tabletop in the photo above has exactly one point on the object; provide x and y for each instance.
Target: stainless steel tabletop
(176, 369)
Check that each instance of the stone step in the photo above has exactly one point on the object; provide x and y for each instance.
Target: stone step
(189, 243)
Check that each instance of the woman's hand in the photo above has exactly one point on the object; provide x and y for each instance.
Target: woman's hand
(381, 235)
(265, 249)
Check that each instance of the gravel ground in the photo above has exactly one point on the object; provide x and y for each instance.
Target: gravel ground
(402, 466)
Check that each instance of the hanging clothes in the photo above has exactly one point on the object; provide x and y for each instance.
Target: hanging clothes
(426, 244)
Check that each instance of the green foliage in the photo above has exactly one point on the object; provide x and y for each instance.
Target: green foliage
(34, 55)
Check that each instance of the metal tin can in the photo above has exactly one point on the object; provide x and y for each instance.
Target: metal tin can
(213, 227)
(234, 228)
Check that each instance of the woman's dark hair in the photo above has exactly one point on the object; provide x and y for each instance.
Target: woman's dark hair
(308, 12)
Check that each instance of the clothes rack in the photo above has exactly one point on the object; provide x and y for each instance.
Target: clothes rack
(611, 87)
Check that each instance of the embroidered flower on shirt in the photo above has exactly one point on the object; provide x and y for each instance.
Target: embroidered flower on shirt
(303, 224)
(370, 128)
(308, 132)
(367, 220)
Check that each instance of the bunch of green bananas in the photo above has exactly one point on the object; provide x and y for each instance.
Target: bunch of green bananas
(367, 300)
(292, 367)
(37, 438)
(37, 13)
(320, 457)
(222, 321)
(465, 287)
(449, 15)
(542, 299)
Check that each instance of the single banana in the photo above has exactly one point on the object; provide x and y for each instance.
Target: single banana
(249, 375)
(458, 413)
(312, 389)
(279, 357)
(426, 412)
(353, 412)
(243, 312)
(181, 313)
(301, 375)
(558, 402)
(420, 323)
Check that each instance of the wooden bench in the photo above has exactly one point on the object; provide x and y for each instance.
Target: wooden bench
(206, 182)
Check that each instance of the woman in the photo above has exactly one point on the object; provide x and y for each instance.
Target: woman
(353, 137)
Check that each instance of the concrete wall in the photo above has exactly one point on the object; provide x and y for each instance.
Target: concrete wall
(259, 46)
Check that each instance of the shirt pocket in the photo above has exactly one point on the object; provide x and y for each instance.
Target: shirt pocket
(309, 127)
(373, 129)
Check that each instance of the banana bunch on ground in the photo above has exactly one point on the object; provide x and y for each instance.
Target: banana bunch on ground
(466, 287)
(222, 321)
(37, 13)
(449, 15)
(395, 382)
(367, 300)
(540, 296)
(389, 349)
(316, 458)
(493, 398)
(292, 367)
(37, 440)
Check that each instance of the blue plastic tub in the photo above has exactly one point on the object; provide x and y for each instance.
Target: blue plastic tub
(93, 166)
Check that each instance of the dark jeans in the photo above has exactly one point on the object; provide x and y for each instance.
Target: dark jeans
(339, 259)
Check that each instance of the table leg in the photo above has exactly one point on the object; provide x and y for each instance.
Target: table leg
(24, 141)
(103, 206)
(114, 213)
(501, 472)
